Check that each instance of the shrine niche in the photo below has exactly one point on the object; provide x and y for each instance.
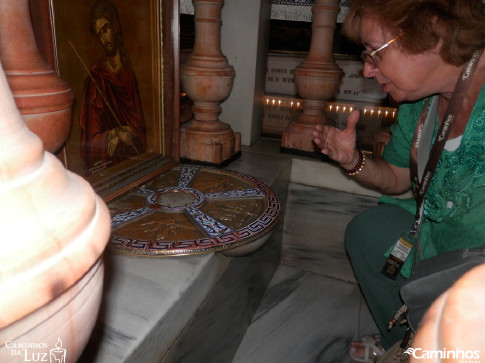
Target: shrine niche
(122, 65)
(121, 62)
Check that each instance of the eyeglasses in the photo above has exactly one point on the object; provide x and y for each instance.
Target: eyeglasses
(372, 60)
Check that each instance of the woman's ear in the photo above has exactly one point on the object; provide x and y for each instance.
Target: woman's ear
(435, 26)
(437, 48)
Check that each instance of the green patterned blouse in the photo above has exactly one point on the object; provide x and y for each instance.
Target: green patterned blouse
(454, 207)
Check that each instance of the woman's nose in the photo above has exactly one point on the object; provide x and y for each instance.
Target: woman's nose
(369, 70)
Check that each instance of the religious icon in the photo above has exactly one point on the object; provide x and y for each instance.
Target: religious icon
(111, 116)
(116, 56)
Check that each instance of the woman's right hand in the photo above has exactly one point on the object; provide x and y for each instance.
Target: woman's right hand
(339, 145)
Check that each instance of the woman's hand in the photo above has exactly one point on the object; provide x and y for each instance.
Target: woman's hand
(339, 145)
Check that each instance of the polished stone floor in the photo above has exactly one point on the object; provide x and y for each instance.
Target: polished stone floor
(312, 308)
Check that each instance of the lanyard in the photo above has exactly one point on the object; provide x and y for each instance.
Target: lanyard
(420, 154)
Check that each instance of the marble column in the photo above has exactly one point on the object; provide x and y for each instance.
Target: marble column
(207, 78)
(317, 78)
(43, 99)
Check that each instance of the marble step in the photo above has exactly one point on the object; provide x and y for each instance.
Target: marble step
(148, 302)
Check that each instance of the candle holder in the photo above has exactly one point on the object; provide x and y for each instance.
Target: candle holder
(207, 78)
(317, 79)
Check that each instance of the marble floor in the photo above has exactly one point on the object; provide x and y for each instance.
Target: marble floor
(295, 300)
(312, 308)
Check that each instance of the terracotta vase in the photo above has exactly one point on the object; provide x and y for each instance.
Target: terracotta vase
(317, 78)
(54, 231)
(207, 78)
(44, 100)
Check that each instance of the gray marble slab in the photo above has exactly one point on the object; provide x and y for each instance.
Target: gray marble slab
(313, 307)
(303, 317)
(146, 304)
(315, 224)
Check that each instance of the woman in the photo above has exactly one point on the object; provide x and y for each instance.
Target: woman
(417, 50)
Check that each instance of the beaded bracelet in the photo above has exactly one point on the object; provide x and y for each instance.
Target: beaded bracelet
(358, 167)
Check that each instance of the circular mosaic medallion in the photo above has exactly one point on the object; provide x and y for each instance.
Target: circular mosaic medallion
(190, 210)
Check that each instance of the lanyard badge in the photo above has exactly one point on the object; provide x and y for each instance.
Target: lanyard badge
(399, 254)
(402, 249)
(423, 162)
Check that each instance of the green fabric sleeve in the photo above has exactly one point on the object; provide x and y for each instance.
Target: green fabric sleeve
(398, 149)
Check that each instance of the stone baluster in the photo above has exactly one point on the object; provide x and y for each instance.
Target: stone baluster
(43, 99)
(317, 78)
(207, 78)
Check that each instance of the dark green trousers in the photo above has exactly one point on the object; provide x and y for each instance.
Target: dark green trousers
(367, 237)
